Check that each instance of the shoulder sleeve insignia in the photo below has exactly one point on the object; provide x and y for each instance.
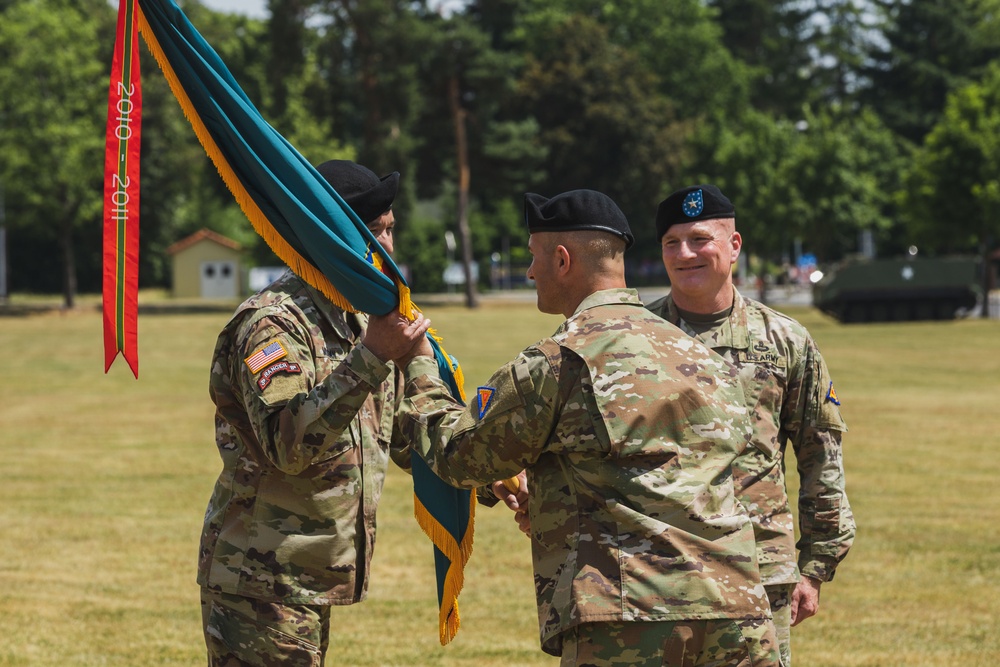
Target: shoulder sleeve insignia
(279, 367)
(831, 395)
(484, 396)
(265, 355)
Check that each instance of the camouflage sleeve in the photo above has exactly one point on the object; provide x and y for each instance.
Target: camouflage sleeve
(399, 450)
(470, 446)
(826, 523)
(301, 410)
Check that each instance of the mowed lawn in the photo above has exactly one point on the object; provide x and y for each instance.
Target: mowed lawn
(104, 481)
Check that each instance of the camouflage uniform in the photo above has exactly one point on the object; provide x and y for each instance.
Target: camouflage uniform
(304, 417)
(628, 429)
(791, 398)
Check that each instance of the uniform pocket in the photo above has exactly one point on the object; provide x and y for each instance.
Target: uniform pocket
(230, 634)
(764, 388)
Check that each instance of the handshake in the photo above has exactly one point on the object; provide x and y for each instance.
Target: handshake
(392, 337)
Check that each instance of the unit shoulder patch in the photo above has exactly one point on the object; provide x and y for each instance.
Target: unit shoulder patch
(831, 395)
(484, 396)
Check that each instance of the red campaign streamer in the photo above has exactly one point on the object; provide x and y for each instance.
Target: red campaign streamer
(121, 195)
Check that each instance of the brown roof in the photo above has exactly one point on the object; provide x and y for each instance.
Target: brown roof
(200, 235)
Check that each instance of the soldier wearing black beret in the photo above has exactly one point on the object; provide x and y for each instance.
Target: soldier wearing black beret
(632, 565)
(304, 423)
(581, 233)
(576, 210)
(697, 202)
(367, 194)
(793, 401)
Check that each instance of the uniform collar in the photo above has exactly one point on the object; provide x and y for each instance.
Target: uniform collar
(733, 334)
(618, 295)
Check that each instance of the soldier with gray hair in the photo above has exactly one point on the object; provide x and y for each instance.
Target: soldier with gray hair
(627, 429)
(788, 391)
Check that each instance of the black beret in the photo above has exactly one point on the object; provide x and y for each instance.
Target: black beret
(697, 202)
(363, 191)
(576, 210)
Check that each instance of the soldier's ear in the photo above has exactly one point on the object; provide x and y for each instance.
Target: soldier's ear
(736, 241)
(563, 260)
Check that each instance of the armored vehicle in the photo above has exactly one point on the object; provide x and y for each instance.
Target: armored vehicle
(899, 290)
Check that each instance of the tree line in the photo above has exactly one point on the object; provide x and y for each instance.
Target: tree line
(821, 119)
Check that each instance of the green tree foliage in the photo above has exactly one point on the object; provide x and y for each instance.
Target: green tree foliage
(805, 112)
(840, 179)
(838, 34)
(750, 164)
(601, 124)
(294, 89)
(821, 180)
(678, 41)
(53, 101)
(369, 56)
(770, 38)
(952, 195)
(931, 48)
(468, 86)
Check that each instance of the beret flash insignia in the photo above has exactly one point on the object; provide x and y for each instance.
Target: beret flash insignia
(693, 204)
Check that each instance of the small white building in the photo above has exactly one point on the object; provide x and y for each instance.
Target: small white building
(206, 265)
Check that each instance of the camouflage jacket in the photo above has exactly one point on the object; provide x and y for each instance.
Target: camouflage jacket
(303, 422)
(628, 429)
(791, 398)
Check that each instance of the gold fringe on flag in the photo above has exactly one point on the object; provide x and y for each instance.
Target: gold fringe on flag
(458, 554)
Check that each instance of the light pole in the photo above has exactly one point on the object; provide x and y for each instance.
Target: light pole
(3, 249)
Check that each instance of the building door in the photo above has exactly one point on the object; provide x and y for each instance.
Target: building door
(218, 280)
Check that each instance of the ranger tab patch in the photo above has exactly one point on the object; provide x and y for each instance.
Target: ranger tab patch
(265, 355)
(484, 396)
(831, 395)
(279, 367)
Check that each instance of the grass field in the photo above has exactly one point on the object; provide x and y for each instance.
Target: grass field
(104, 481)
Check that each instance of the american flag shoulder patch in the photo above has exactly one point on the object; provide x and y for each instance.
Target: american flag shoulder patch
(265, 355)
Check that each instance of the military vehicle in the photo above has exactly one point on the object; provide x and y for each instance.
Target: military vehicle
(900, 290)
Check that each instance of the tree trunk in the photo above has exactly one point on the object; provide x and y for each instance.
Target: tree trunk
(69, 265)
(458, 116)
